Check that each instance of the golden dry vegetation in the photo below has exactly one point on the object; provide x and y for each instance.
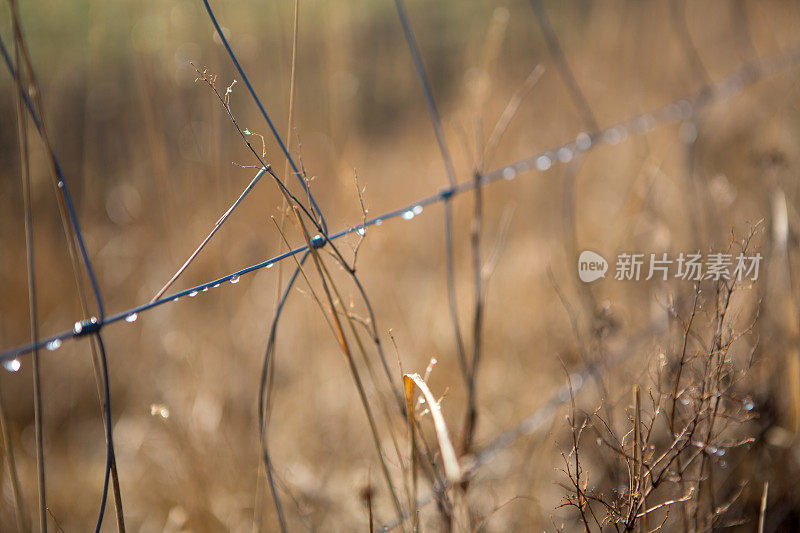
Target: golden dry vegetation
(152, 161)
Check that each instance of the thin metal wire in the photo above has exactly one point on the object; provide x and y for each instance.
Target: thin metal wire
(78, 235)
(419, 66)
(449, 250)
(564, 69)
(676, 111)
(673, 112)
(264, 113)
(265, 389)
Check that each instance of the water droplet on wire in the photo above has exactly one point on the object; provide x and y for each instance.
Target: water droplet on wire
(748, 404)
(408, 215)
(235, 279)
(361, 231)
(646, 122)
(192, 294)
(583, 141)
(614, 135)
(417, 210)
(543, 162)
(509, 173)
(564, 154)
(158, 409)
(132, 317)
(13, 365)
(53, 345)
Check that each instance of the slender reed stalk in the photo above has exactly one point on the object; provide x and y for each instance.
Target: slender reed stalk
(25, 177)
(76, 247)
(345, 346)
(16, 490)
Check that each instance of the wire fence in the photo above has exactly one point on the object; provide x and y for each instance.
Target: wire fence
(682, 109)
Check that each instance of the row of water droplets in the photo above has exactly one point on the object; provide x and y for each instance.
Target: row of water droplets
(133, 317)
(361, 230)
(583, 142)
(614, 135)
(411, 213)
(13, 365)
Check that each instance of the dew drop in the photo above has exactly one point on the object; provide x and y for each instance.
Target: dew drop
(205, 290)
(361, 231)
(564, 154)
(583, 141)
(748, 404)
(216, 285)
(408, 215)
(53, 345)
(270, 265)
(132, 317)
(685, 401)
(612, 136)
(645, 122)
(543, 162)
(235, 279)
(157, 409)
(509, 173)
(13, 365)
(417, 210)
(192, 294)
(379, 222)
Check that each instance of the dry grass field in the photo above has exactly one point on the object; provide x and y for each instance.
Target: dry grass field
(626, 405)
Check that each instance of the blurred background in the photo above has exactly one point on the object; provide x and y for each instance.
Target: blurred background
(153, 160)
